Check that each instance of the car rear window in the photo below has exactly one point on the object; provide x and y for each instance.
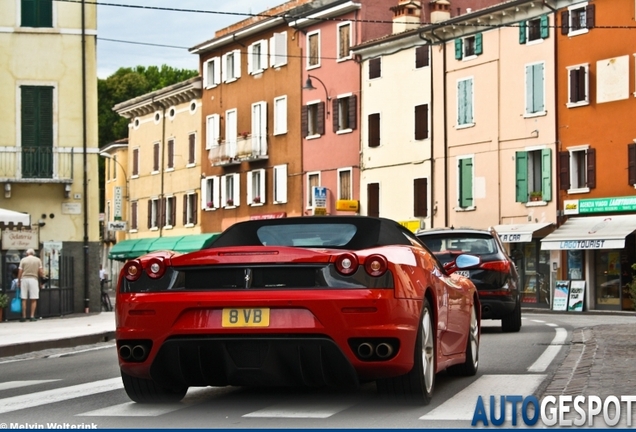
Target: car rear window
(311, 235)
(469, 243)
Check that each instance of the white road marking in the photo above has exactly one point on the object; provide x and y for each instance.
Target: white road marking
(57, 395)
(70, 353)
(551, 324)
(537, 321)
(18, 384)
(302, 409)
(542, 363)
(462, 405)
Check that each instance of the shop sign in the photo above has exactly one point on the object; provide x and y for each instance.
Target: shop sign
(560, 295)
(570, 207)
(603, 205)
(118, 203)
(412, 226)
(277, 215)
(577, 293)
(515, 237)
(19, 240)
(117, 226)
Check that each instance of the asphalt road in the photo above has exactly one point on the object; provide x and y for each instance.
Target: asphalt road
(81, 387)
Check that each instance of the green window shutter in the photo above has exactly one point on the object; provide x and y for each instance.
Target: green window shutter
(537, 87)
(37, 13)
(29, 124)
(545, 26)
(546, 174)
(466, 182)
(28, 12)
(458, 49)
(46, 117)
(522, 32)
(479, 44)
(45, 13)
(521, 168)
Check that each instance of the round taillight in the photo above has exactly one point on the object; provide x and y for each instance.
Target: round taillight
(376, 265)
(155, 268)
(347, 263)
(132, 270)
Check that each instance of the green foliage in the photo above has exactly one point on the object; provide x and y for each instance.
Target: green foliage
(4, 301)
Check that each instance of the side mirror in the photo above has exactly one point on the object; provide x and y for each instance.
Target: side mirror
(465, 260)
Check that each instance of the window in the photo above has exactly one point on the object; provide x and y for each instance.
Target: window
(535, 89)
(231, 63)
(155, 158)
(421, 122)
(37, 13)
(230, 188)
(313, 50)
(280, 184)
(344, 41)
(577, 19)
(210, 193)
(213, 131)
(465, 102)
(373, 199)
(170, 161)
(107, 169)
(420, 197)
(170, 211)
(257, 57)
(421, 56)
(192, 139)
(190, 201)
(37, 131)
(345, 113)
(231, 132)
(533, 175)
(577, 169)
(114, 167)
(135, 167)
(133, 215)
(345, 184)
(465, 176)
(469, 47)
(534, 30)
(313, 179)
(278, 49)
(578, 86)
(374, 130)
(256, 187)
(313, 119)
(375, 68)
(153, 213)
(212, 72)
(280, 115)
(259, 129)
(631, 164)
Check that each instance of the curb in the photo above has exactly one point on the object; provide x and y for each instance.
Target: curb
(24, 348)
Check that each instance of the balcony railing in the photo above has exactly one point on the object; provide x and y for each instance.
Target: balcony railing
(242, 148)
(37, 164)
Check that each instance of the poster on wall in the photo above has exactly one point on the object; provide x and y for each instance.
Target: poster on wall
(560, 297)
(577, 292)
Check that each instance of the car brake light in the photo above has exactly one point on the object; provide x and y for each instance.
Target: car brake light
(155, 268)
(347, 263)
(499, 266)
(376, 265)
(132, 270)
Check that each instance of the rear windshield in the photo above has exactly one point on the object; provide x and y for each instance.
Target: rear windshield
(310, 235)
(474, 244)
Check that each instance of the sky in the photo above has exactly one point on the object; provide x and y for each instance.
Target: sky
(116, 20)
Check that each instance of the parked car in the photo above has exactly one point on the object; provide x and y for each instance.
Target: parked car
(495, 277)
(312, 301)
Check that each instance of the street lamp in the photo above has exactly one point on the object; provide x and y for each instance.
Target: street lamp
(310, 86)
(109, 156)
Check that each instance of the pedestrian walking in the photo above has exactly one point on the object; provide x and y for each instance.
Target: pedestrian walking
(29, 273)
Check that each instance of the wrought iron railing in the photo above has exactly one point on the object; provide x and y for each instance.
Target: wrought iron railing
(34, 163)
(249, 147)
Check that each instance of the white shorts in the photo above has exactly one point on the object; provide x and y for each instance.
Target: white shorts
(29, 288)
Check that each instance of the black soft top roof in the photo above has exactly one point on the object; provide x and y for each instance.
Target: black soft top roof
(369, 232)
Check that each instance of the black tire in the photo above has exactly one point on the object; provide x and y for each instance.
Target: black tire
(417, 385)
(469, 367)
(147, 391)
(512, 322)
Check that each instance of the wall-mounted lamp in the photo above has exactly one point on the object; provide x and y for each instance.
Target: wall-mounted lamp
(67, 191)
(310, 86)
(7, 190)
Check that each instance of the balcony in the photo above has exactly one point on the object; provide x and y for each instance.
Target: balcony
(244, 148)
(37, 164)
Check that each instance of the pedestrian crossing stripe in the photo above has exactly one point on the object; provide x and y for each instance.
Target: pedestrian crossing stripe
(18, 384)
(301, 409)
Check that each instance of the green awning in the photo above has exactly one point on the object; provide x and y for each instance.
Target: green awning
(133, 248)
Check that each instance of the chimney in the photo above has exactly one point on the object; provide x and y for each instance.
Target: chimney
(406, 15)
(440, 11)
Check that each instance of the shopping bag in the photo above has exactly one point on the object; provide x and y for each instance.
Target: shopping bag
(16, 303)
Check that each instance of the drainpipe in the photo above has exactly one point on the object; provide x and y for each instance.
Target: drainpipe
(162, 167)
(85, 157)
(433, 206)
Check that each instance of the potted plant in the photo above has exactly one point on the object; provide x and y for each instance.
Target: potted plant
(210, 205)
(536, 196)
(244, 134)
(4, 302)
(230, 202)
(256, 200)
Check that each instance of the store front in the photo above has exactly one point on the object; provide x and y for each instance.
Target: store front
(598, 251)
(523, 242)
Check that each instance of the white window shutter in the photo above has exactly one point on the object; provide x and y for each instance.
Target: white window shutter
(205, 74)
(261, 186)
(204, 189)
(224, 68)
(278, 49)
(237, 189)
(263, 54)
(280, 180)
(217, 70)
(250, 63)
(250, 198)
(237, 63)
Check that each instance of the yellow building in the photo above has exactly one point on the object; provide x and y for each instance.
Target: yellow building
(163, 168)
(48, 145)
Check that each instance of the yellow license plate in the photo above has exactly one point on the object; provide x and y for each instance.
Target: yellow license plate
(245, 317)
